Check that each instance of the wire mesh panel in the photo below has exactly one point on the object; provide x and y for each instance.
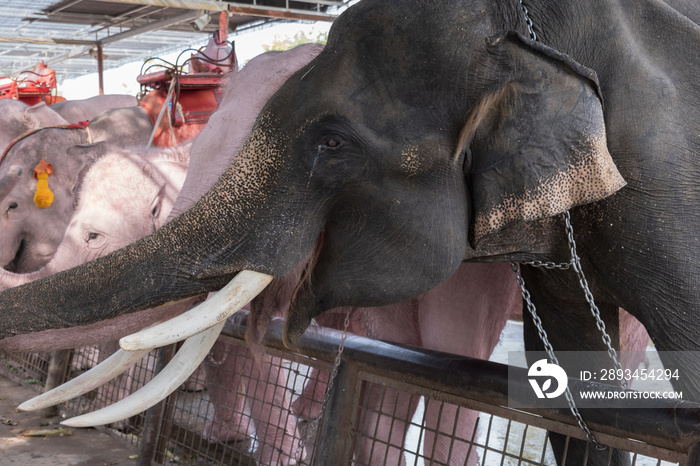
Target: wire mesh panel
(390, 405)
(32, 367)
(253, 411)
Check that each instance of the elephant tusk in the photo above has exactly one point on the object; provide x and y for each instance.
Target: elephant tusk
(98, 375)
(240, 291)
(187, 359)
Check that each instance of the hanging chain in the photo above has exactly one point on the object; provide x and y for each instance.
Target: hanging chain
(312, 424)
(550, 353)
(528, 21)
(575, 262)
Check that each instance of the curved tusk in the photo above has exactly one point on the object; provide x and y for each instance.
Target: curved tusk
(240, 291)
(98, 375)
(187, 359)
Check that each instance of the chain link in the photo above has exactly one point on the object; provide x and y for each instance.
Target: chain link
(575, 262)
(552, 357)
(528, 21)
(312, 424)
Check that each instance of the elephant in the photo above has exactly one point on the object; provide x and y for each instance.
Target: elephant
(26, 243)
(17, 118)
(75, 111)
(395, 156)
(123, 195)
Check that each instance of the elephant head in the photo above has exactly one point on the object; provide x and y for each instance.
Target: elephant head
(393, 156)
(17, 118)
(30, 234)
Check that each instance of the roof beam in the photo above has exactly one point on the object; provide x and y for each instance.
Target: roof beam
(242, 9)
(189, 16)
(44, 41)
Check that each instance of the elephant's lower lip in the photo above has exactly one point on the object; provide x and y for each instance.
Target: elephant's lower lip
(12, 265)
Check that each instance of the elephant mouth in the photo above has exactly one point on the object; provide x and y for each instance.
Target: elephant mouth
(13, 264)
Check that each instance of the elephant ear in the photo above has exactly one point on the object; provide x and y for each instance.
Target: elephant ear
(535, 146)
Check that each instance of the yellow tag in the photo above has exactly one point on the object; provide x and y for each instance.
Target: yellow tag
(43, 197)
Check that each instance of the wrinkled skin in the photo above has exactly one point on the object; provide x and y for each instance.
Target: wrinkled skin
(17, 118)
(414, 152)
(27, 242)
(127, 127)
(123, 196)
(75, 111)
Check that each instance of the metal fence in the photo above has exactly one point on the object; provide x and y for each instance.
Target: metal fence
(389, 404)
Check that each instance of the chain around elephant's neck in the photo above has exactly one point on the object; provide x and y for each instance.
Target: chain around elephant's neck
(576, 264)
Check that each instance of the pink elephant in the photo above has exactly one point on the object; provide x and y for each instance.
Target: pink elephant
(75, 111)
(17, 118)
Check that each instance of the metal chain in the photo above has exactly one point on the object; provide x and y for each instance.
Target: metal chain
(575, 262)
(312, 424)
(528, 21)
(550, 353)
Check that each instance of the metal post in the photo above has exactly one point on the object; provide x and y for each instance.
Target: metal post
(223, 26)
(154, 415)
(335, 442)
(100, 69)
(58, 365)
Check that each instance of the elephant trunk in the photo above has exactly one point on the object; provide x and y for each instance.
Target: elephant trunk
(200, 251)
(8, 182)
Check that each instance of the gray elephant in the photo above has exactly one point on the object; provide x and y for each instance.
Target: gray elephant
(17, 118)
(31, 231)
(395, 156)
(123, 196)
(75, 111)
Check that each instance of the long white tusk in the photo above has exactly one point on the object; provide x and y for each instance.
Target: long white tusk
(98, 375)
(240, 291)
(187, 359)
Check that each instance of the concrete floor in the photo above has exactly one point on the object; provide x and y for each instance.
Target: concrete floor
(75, 447)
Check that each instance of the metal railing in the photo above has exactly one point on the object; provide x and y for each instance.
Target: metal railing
(370, 409)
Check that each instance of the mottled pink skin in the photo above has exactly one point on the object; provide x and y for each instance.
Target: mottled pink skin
(75, 111)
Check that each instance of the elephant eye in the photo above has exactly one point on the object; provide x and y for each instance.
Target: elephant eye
(12, 206)
(330, 142)
(91, 236)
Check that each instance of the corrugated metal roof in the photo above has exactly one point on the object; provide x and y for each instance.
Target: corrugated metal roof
(65, 34)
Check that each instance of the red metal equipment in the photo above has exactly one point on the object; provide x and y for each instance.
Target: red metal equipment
(31, 87)
(189, 98)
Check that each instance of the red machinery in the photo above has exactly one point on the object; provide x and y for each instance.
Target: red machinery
(179, 103)
(31, 87)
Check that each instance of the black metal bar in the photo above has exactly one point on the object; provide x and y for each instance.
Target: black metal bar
(153, 423)
(335, 442)
(675, 426)
(56, 375)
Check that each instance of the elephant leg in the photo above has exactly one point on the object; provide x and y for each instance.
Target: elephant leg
(384, 421)
(223, 370)
(271, 411)
(463, 315)
(448, 431)
(308, 404)
(570, 326)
